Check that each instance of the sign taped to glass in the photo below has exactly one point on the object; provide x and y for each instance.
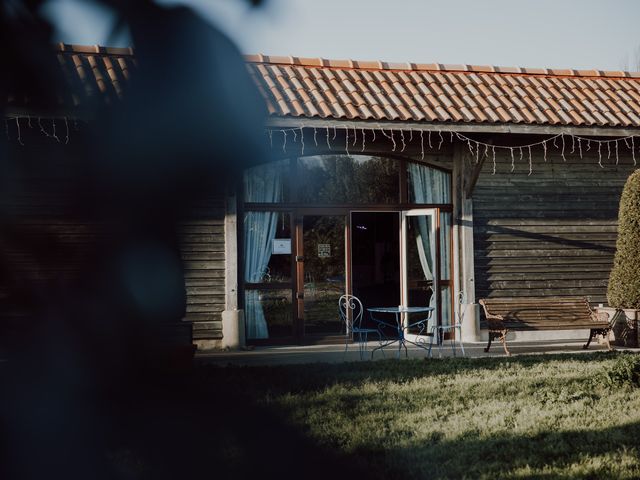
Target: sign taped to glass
(281, 246)
(324, 250)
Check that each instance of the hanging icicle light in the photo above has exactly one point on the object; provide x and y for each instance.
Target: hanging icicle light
(403, 142)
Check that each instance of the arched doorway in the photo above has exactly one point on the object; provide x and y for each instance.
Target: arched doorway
(316, 227)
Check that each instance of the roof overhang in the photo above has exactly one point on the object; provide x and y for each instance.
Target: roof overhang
(514, 128)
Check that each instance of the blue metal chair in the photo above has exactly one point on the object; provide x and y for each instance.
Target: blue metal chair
(351, 312)
(439, 330)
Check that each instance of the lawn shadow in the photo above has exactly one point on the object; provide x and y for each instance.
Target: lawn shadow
(190, 430)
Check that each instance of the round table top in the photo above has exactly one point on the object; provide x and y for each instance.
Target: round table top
(400, 309)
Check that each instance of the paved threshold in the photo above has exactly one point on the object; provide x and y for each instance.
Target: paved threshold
(289, 355)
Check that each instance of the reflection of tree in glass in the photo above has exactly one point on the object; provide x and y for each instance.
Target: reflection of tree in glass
(324, 230)
(414, 266)
(344, 179)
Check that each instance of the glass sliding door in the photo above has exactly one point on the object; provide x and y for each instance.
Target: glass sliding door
(445, 283)
(267, 275)
(420, 262)
(375, 258)
(324, 274)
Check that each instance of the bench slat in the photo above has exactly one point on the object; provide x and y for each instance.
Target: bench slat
(540, 313)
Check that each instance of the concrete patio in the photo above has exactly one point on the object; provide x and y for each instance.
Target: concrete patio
(294, 354)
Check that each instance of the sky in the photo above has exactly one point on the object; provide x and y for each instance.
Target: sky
(581, 34)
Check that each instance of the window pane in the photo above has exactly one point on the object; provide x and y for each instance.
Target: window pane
(445, 246)
(267, 313)
(267, 183)
(324, 273)
(267, 247)
(445, 291)
(428, 185)
(348, 179)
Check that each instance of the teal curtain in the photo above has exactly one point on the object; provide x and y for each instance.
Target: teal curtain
(262, 184)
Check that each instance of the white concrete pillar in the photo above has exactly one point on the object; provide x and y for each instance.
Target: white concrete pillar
(471, 323)
(233, 333)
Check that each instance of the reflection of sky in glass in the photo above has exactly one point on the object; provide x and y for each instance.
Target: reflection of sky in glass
(323, 161)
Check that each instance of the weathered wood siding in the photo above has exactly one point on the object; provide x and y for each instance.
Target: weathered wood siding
(549, 233)
(202, 249)
(44, 243)
(46, 240)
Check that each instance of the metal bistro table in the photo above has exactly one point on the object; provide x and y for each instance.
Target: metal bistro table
(402, 341)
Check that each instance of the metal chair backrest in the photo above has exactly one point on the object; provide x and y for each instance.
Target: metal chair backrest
(461, 303)
(350, 311)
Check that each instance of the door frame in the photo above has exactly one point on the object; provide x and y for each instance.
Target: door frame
(434, 213)
(299, 256)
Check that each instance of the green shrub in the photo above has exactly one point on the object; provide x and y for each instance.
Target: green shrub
(624, 282)
(624, 372)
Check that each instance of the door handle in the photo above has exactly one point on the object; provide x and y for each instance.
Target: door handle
(299, 258)
(299, 295)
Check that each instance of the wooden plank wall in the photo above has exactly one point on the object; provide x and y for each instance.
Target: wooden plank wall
(36, 196)
(43, 243)
(549, 233)
(202, 249)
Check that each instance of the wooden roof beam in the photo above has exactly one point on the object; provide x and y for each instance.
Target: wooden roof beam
(463, 128)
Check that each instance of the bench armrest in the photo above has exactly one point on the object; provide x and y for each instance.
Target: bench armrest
(495, 322)
(488, 315)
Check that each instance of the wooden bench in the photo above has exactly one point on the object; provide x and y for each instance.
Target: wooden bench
(542, 313)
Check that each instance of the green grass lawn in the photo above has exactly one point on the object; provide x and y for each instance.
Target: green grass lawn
(545, 416)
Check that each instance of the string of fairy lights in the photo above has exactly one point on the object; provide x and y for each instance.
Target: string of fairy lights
(356, 138)
(14, 127)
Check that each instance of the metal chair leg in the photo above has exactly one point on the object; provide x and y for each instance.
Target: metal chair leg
(433, 333)
(460, 341)
(453, 346)
(440, 341)
(363, 345)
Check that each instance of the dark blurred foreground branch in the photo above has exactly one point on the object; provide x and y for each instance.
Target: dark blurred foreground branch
(189, 122)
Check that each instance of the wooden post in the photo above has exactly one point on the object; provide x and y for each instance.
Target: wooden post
(465, 173)
(233, 332)
(231, 250)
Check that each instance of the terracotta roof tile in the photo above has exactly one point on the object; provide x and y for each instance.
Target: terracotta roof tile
(311, 87)
(530, 102)
(529, 118)
(623, 118)
(490, 113)
(517, 102)
(564, 118)
(442, 114)
(481, 101)
(600, 120)
(635, 119)
(515, 116)
(576, 119)
(588, 118)
(430, 114)
(479, 114)
(504, 116)
(553, 118)
(612, 119)
(554, 105)
(468, 116)
(379, 113)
